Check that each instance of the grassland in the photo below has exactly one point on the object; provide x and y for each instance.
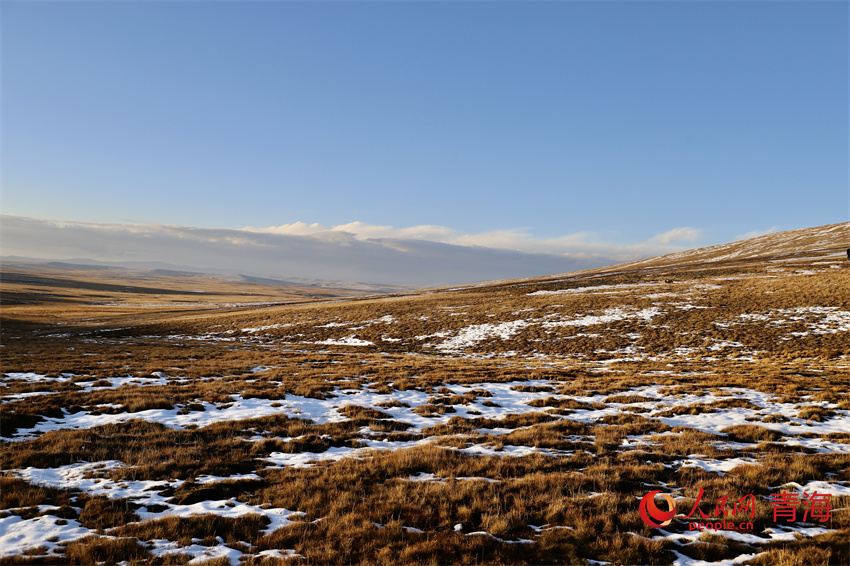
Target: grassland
(516, 422)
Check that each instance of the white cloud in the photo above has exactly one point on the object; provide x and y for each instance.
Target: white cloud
(363, 231)
(757, 233)
(683, 234)
(296, 229)
(424, 255)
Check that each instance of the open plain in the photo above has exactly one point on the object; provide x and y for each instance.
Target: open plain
(200, 421)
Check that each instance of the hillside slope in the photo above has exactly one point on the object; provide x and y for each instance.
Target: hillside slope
(832, 238)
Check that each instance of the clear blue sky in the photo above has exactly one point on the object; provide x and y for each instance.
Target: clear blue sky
(625, 119)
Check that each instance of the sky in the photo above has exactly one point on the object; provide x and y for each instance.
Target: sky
(555, 135)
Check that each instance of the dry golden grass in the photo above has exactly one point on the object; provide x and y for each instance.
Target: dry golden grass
(596, 444)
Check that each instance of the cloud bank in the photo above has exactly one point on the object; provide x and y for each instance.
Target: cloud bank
(586, 245)
(421, 256)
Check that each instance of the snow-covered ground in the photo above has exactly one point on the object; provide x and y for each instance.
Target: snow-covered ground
(509, 398)
(495, 401)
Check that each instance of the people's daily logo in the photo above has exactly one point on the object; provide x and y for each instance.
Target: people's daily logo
(816, 506)
(652, 515)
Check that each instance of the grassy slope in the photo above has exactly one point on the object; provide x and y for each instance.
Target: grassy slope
(691, 325)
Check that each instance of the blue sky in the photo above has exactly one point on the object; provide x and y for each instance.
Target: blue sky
(538, 127)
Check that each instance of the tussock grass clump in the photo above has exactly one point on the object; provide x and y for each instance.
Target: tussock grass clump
(733, 403)
(843, 437)
(628, 399)
(189, 492)
(781, 468)
(822, 550)
(267, 560)
(817, 414)
(713, 547)
(184, 529)
(534, 388)
(147, 403)
(85, 552)
(607, 438)
(11, 420)
(688, 441)
(100, 513)
(431, 410)
(310, 443)
(509, 421)
(751, 433)
(561, 403)
(549, 435)
(108, 550)
(633, 424)
(392, 403)
(16, 493)
(388, 426)
(713, 407)
(362, 415)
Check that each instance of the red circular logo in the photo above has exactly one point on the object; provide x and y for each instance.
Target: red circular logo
(652, 515)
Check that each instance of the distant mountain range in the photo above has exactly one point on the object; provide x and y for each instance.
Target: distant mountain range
(160, 268)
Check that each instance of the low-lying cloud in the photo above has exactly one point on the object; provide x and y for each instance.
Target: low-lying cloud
(424, 255)
(586, 245)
